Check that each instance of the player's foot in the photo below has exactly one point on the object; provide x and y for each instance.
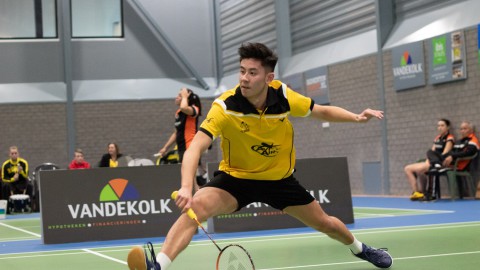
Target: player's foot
(444, 169)
(138, 258)
(428, 198)
(378, 257)
(416, 196)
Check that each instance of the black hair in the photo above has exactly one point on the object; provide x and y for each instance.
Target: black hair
(194, 99)
(260, 52)
(446, 121)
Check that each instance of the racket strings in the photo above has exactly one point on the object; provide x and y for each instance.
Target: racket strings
(234, 257)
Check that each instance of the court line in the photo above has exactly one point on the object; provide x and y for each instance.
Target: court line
(294, 237)
(104, 256)
(21, 230)
(356, 232)
(395, 259)
(405, 209)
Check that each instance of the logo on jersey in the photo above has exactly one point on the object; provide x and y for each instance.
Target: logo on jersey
(244, 127)
(266, 150)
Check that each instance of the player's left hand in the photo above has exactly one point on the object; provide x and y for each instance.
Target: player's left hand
(369, 113)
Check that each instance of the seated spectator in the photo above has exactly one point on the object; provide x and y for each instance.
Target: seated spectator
(110, 159)
(15, 175)
(442, 144)
(467, 146)
(78, 161)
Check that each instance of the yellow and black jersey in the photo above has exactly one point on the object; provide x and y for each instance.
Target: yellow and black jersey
(256, 144)
(10, 168)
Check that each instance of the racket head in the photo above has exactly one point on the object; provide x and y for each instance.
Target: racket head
(233, 257)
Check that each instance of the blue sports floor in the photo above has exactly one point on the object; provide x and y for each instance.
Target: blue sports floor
(419, 235)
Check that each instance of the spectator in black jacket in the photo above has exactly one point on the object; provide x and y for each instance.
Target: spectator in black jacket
(110, 159)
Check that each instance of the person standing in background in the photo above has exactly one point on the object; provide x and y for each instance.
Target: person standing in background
(186, 126)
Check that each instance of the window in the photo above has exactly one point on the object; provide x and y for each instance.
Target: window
(37, 19)
(28, 19)
(99, 19)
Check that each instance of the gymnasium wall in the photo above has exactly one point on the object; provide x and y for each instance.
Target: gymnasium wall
(140, 127)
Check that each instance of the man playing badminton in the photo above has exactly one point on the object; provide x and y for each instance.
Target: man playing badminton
(258, 159)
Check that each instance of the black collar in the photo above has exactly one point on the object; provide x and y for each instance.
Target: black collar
(247, 108)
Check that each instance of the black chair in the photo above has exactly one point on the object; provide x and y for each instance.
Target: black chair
(36, 180)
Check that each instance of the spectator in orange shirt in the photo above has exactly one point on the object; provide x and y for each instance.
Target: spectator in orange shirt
(467, 146)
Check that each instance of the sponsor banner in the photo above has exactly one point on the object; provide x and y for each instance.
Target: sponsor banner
(408, 66)
(316, 84)
(108, 203)
(447, 58)
(326, 179)
(295, 82)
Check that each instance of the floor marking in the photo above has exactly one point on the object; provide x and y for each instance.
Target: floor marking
(104, 256)
(361, 261)
(21, 230)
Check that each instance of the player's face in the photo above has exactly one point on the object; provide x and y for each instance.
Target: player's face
(178, 99)
(442, 127)
(254, 78)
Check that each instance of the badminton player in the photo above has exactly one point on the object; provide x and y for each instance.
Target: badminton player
(258, 159)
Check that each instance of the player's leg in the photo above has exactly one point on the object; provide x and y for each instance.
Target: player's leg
(313, 215)
(207, 202)
(412, 171)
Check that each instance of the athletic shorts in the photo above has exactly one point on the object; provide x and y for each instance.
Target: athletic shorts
(278, 194)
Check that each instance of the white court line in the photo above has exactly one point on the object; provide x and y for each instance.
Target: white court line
(21, 230)
(104, 256)
(395, 259)
(269, 238)
(368, 215)
(405, 209)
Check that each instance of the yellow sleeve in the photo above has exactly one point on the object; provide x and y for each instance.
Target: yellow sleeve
(24, 173)
(3, 174)
(300, 105)
(216, 119)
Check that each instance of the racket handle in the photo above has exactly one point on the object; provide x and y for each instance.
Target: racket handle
(190, 213)
(157, 155)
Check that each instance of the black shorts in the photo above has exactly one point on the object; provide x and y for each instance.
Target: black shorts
(278, 194)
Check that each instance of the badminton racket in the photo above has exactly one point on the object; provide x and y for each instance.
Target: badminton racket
(231, 257)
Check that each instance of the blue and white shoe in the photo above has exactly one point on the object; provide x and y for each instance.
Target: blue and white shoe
(151, 264)
(378, 257)
(138, 258)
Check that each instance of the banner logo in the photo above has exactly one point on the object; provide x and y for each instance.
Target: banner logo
(407, 68)
(119, 198)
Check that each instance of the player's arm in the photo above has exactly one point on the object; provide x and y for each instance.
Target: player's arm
(337, 114)
(448, 147)
(199, 144)
(170, 141)
(184, 107)
(24, 171)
